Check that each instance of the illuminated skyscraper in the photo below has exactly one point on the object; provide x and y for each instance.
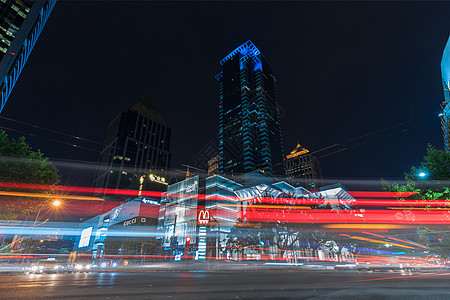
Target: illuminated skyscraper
(137, 143)
(445, 115)
(302, 168)
(21, 23)
(249, 119)
(213, 165)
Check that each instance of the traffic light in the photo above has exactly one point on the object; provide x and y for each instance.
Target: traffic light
(188, 244)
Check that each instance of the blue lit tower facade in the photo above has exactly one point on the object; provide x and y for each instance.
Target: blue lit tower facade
(445, 115)
(21, 23)
(249, 119)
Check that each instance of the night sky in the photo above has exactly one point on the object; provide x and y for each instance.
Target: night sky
(365, 76)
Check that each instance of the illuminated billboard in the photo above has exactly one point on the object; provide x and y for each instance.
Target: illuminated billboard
(203, 217)
(157, 179)
(85, 237)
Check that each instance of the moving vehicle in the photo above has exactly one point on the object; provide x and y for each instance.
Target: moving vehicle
(46, 267)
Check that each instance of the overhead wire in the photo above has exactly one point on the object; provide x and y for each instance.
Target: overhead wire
(343, 144)
(372, 133)
(51, 130)
(373, 140)
(48, 139)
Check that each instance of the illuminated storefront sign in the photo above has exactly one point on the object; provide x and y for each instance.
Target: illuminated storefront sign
(130, 222)
(85, 237)
(203, 217)
(141, 184)
(191, 187)
(135, 221)
(146, 201)
(201, 254)
(157, 179)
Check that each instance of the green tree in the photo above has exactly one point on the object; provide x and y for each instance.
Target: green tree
(435, 164)
(433, 186)
(20, 164)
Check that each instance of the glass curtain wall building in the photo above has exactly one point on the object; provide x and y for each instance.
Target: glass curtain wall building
(128, 229)
(249, 118)
(178, 215)
(137, 143)
(181, 209)
(224, 209)
(445, 115)
(21, 23)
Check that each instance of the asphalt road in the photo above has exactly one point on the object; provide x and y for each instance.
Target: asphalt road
(228, 285)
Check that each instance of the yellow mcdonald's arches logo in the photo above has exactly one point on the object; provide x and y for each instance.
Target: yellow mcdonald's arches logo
(203, 217)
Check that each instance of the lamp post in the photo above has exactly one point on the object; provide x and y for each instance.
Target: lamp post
(217, 238)
(55, 203)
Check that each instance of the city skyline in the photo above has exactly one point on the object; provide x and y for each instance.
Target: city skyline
(215, 140)
(338, 84)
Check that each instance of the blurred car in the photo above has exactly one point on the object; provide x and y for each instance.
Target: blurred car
(378, 267)
(46, 267)
(81, 268)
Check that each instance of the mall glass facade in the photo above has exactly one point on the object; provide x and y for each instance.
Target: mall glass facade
(129, 229)
(229, 204)
(178, 212)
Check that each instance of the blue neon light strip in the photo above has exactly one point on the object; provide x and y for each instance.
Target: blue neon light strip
(244, 49)
(219, 76)
(445, 70)
(11, 78)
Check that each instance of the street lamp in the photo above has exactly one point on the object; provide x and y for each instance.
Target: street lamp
(422, 174)
(55, 203)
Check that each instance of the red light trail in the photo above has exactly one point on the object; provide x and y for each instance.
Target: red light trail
(384, 278)
(348, 216)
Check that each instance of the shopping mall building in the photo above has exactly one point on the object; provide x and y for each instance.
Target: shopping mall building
(198, 217)
(128, 232)
(205, 218)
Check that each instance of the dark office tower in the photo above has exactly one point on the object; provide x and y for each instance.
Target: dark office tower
(445, 115)
(21, 23)
(302, 168)
(249, 119)
(137, 143)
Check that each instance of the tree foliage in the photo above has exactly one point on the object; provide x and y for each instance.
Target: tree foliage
(435, 164)
(20, 164)
(434, 185)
